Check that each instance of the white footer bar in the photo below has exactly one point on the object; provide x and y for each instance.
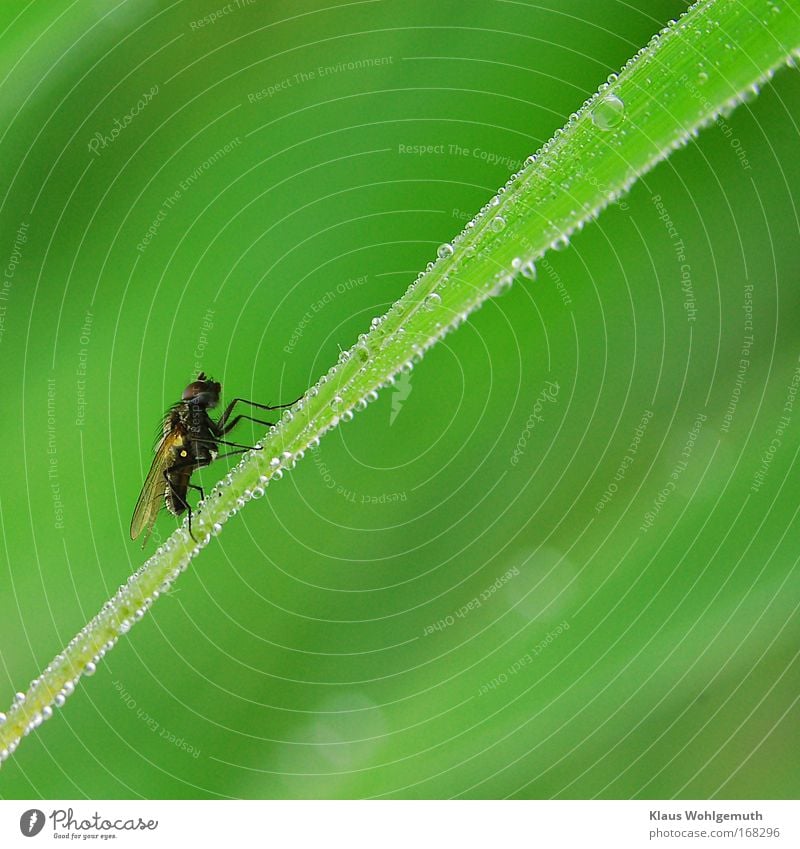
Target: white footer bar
(390, 824)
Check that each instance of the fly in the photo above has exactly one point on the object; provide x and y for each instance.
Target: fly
(190, 440)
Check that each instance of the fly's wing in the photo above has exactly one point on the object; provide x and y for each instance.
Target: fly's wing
(151, 499)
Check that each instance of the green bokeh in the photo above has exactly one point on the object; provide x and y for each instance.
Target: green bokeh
(298, 657)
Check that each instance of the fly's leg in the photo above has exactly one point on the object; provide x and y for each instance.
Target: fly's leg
(236, 419)
(192, 465)
(232, 453)
(238, 445)
(223, 426)
(240, 450)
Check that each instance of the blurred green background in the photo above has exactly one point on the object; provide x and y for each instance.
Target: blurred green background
(464, 592)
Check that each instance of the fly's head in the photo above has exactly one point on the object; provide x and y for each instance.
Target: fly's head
(202, 392)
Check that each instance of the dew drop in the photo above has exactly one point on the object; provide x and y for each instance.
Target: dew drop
(431, 301)
(608, 112)
(3, 718)
(702, 78)
(337, 402)
(528, 270)
(90, 669)
(502, 285)
(444, 251)
(19, 698)
(498, 223)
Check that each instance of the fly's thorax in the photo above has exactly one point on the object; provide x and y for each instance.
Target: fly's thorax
(197, 416)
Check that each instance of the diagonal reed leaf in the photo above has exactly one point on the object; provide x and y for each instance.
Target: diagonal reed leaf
(694, 71)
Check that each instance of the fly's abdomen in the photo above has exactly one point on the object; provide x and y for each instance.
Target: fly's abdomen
(175, 492)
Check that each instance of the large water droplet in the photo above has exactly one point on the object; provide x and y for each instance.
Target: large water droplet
(444, 251)
(432, 301)
(608, 112)
(498, 223)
